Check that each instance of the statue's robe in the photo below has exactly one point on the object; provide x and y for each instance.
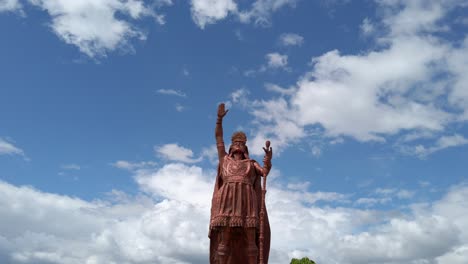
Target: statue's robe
(236, 203)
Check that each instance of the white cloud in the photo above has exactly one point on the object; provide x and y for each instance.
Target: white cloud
(239, 97)
(211, 153)
(7, 148)
(416, 16)
(347, 100)
(457, 64)
(278, 89)
(384, 196)
(350, 233)
(405, 194)
(277, 125)
(171, 92)
(261, 11)
(291, 39)
(367, 28)
(174, 152)
(276, 60)
(97, 27)
(441, 143)
(10, 5)
(206, 12)
(127, 165)
(177, 181)
(136, 230)
(301, 186)
(371, 201)
(210, 11)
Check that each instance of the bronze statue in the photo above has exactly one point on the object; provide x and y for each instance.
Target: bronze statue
(239, 228)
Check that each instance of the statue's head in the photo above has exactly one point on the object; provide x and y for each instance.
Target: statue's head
(238, 144)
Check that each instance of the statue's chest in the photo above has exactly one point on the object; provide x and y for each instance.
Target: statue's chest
(236, 169)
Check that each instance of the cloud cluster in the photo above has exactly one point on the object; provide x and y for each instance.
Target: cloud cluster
(168, 223)
(412, 81)
(96, 27)
(206, 12)
(38, 227)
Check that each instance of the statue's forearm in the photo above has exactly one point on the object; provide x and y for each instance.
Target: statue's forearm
(219, 139)
(266, 166)
(265, 169)
(219, 130)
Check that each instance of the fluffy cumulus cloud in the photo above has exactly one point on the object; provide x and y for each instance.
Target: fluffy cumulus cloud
(210, 11)
(38, 227)
(96, 27)
(168, 223)
(174, 152)
(412, 81)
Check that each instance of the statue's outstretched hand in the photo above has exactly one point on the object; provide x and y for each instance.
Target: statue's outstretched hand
(221, 111)
(268, 152)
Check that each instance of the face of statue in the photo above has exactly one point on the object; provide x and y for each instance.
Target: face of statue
(238, 147)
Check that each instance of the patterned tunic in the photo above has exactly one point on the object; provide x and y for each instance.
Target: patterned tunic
(236, 202)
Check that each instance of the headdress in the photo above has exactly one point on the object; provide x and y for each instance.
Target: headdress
(239, 136)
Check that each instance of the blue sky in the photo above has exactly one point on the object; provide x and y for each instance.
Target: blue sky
(108, 107)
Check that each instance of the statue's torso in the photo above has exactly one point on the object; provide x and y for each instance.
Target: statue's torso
(236, 202)
(237, 171)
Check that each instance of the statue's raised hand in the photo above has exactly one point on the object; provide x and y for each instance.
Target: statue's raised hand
(268, 151)
(221, 111)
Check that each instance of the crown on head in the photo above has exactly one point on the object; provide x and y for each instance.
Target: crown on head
(239, 136)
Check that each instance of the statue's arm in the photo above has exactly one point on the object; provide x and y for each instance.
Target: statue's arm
(219, 132)
(266, 161)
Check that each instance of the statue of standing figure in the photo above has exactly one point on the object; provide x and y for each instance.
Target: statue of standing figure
(239, 228)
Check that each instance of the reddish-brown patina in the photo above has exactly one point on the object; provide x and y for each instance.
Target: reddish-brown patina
(239, 227)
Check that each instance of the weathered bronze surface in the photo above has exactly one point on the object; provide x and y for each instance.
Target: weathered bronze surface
(239, 227)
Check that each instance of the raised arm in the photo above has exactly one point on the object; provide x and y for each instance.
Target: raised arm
(266, 161)
(219, 132)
